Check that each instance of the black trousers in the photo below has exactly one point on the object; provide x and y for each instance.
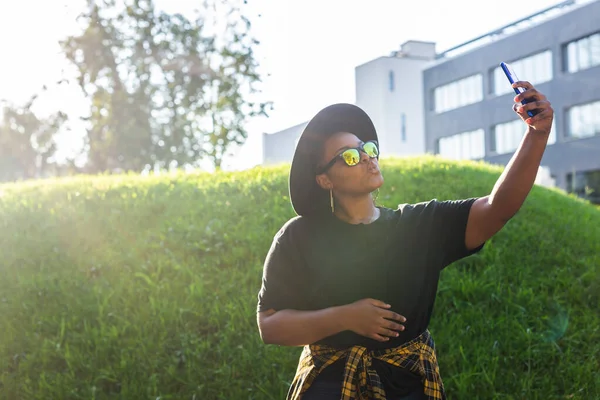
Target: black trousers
(328, 390)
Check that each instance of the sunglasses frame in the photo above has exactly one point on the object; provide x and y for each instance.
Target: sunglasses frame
(360, 148)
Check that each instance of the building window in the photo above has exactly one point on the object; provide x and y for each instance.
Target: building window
(506, 137)
(582, 53)
(535, 69)
(465, 145)
(403, 126)
(585, 184)
(584, 120)
(391, 81)
(459, 93)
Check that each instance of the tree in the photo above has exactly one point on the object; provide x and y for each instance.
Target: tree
(164, 91)
(27, 143)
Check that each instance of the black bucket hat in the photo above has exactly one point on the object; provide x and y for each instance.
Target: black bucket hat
(307, 197)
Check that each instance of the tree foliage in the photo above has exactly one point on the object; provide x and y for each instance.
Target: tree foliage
(27, 143)
(165, 90)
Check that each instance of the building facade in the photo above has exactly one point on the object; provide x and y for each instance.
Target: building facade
(390, 90)
(468, 100)
(279, 147)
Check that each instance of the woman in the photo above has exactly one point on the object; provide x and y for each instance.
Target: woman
(354, 283)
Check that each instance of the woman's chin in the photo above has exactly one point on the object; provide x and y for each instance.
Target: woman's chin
(376, 181)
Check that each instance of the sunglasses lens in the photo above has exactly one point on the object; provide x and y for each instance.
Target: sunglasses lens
(351, 157)
(371, 149)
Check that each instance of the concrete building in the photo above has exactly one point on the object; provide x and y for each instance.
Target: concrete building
(390, 90)
(468, 98)
(279, 147)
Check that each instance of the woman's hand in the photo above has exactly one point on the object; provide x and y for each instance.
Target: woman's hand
(373, 319)
(541, 122)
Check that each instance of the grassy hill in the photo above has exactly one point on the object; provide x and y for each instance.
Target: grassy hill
(130, 287)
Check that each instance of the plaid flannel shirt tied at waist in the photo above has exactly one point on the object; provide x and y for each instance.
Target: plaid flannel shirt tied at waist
(361, 381)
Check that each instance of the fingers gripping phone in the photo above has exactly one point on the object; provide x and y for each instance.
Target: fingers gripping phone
(512, 78)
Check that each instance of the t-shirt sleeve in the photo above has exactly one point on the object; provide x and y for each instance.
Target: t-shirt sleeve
(284, 279)
(450, 227)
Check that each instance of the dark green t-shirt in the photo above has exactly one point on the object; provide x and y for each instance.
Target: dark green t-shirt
(320, 262)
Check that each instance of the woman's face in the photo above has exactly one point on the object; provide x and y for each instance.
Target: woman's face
(365, 177)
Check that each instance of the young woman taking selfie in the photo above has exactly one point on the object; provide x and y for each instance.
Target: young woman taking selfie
(355, 283)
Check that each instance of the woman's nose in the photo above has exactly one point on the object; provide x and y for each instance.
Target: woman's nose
(364, 157)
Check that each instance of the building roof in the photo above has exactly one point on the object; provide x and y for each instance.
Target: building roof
(522, 24)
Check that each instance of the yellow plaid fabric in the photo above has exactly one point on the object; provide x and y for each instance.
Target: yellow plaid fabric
(361, 381)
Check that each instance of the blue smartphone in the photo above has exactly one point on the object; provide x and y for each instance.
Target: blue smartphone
(512, 78)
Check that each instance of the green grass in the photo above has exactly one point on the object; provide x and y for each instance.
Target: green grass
(132, 287)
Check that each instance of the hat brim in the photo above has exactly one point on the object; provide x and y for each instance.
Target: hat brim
(306, 196)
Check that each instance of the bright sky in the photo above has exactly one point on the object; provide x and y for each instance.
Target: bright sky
(309, 48)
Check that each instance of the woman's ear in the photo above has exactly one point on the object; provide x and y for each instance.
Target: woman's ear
(324, 182)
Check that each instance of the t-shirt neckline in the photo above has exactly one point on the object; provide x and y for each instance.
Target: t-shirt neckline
(360, 224)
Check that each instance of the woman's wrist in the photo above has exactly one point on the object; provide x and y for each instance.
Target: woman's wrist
(342, 316)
